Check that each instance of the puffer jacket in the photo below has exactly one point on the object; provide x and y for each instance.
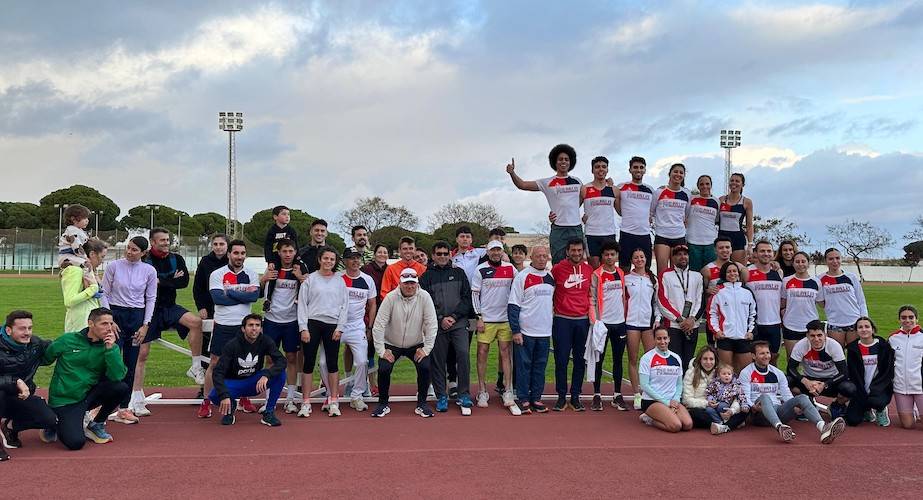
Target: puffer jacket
(451, 293)
(694, 396)
(21, 364)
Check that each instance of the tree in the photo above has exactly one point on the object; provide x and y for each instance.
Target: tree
(390, 236)
(777, 229)
(212, 223)
(255, 230)
(446, 232)
(21, 215)
(86, 196)
(917, 233)
(139, 217)
(913, 254)
(859, 239)
(482, 214)
(375, 213)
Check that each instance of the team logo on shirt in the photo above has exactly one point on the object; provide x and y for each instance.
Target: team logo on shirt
(836, 284)
(248, 364)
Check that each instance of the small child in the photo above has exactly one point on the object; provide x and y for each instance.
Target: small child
(70, 245)
(280, 230)
(724, 394)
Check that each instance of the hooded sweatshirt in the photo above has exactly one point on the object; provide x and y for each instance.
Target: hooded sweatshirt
(572, 289)
(405, 321)
(200, 292)
(242, 359)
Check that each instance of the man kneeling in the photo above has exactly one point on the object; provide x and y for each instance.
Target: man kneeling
(771, 401)
(240, 373)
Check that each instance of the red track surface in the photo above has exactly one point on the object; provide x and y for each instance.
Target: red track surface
(490, 454)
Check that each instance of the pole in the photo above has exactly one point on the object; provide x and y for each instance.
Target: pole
(152, 217)
(229, 225)
(727, 170)
(179, 231)
(96, 227)
(15, 239)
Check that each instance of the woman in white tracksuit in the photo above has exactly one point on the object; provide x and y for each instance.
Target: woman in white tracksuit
(908, 366)
(732, 316)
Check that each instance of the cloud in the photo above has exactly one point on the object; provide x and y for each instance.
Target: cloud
(806, 125)
(878, 127)
(682, 127)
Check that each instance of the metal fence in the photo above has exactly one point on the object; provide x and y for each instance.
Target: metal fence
(30, 250)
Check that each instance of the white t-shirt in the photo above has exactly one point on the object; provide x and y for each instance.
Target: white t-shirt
(563, 195)
(635, 202)
(663, 371)
(801, 298)
(766, 288)
(670, 210)
(359, 289)
(532, 291)
(225, 280)
(818, 364)
(844, 300)
(599, 207)
(284, 309)
(611, 288)
(702, 224)
(490, 290)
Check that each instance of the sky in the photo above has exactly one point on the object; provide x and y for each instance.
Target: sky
(424, 103)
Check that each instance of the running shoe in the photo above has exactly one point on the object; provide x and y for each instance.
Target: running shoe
(305, 410)
(832, 430)
(381, 410)
(882, 418)
(291, 407)
(525, 408)
(270, 419)
(576, 405)
(205, 409)
(442, 404)
(560, 404)
(483, 398)
(464, 401)
(247, 406)
(646, 420)
(9, 436)
(453, 390)
(200, 394)
(837, 410)
(96, 432)
(539, 407)
(326, 405)
(358, 404)
(637, 401)
(501, 387)
(717, 428)
(597, 404)
(431, 393)
(508, 399)
(262, 409)
(618, 402)
(869, 416)
(124, 416)
(48, 435)
(423, 410)
(333, 410)
(140, 409)
(195, 372)
(785, 433)
(229, 419)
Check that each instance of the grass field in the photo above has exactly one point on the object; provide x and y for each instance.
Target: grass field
(42, 296)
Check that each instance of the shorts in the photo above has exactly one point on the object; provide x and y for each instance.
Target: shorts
(558, 239)
(700, 255)
(771, 334)
(840, 329)
(670, 242)
(594, 244)
(737, 346)
(495, 331)
(166, 318)
(221, 335)
(628, 243)
(905, 403)
(646, 403)
(638, 328)
(792, 334)
(738, 239)
(285, 335)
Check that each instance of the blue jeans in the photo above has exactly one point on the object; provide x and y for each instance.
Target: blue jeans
(774, 415)
(531, 358)
(246, 387)
(715, 413)
(569, 342)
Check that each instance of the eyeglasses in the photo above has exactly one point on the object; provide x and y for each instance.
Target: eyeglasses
(440, 254)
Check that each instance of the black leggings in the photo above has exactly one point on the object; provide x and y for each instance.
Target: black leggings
(320, 332)
(29, 413)
(862, 402)
(106, 394)
(617, 337)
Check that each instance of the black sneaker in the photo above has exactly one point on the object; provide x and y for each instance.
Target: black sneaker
(578, 406)
(229, 419)
(201, 393)
(539, 407)
(453, 392)
(597, 404)
(618, 402)
(266, 306)
(525, 408)
(424, 410)
(10, 438)
(270, 419)
(381, 410)
(560, 404)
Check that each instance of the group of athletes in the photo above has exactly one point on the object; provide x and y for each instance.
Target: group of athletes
(599, 290)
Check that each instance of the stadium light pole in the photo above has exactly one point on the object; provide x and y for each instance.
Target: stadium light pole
(231, 122)
(730, 139)
(153, 207)
(60, 208)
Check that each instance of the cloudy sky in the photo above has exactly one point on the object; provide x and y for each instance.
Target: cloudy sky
(425, 102)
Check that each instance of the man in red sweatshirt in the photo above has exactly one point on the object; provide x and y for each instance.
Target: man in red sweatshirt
(571, 323)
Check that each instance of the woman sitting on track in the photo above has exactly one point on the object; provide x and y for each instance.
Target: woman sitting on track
(662, 382)
(785, 256)
(80, 286)
(908, 367)
(701, 371)
(732, 315)
(641, 289)
(844, 301)
(800, 294)
(870, 362)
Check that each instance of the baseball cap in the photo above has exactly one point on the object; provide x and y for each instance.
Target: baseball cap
(679, 248)
(494, 244)
(350, 252)
(409, 274)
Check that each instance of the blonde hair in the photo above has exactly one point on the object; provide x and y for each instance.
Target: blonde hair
(724, 366)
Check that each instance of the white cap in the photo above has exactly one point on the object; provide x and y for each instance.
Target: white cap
(409, 274)
(494, 244)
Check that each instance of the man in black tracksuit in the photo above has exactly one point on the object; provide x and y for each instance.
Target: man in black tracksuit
(451, 293)
(216, 259)
(20, 355)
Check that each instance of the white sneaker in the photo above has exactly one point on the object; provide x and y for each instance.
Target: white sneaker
(305, 410)
(483, 398)
(196, 373)
(326, 405)
(333, 410)
(508, 399)
(431, 393)
(291, 407)
(358, 404)
(124, 416)
(646, 419)
(637, 401)
(717, 428)
(140, 410)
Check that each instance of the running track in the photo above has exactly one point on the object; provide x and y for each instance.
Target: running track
(490, 454)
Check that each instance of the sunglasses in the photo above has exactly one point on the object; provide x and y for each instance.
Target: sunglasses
(441, 254)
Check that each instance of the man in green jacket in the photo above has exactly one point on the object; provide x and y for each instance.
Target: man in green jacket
(88, 373)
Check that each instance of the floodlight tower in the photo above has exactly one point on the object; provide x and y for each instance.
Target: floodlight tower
(231, 122)
(730, 139)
